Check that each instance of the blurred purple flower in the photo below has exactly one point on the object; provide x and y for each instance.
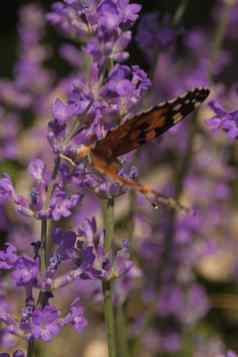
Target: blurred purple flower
(7, 191)
(9, 126)
(31, 76)
(231, 354)
(71, 54)
(18, 353)
(10, 95)
(8, 257)
(155, 29)
(227, 121)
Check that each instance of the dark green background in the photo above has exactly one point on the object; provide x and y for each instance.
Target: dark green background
(197, 13)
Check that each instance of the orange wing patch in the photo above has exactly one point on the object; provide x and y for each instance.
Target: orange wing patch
(148, 125)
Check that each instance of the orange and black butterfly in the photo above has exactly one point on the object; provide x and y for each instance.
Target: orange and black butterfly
(136, 132)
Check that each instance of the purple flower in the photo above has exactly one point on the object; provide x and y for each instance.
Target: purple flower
(23, 206)
(46, 323)
(8, 257)
(86, 258)
(227, 121)
(125, 87)
(105, 16)
(37, 198)
(61, 205)
(7, 192)
(5, 307)
(9, 126)
(54, 263)
(6, 189)
(170, 301)
(154, 29)
(68, 17)
(231, 354)
(26, 315)
(10, 325)
(18, 353)
(31, 76)
(10, 95)
(90, 252)
(196, 40)
(37, 170)
(118, 53)
(108, 15)
(26, 271)
(79, 98)
(61, 111)
(65, 241)
(129, 12)
(112, 13)
(88, 230)
(170, 341)
(122, 263)
(76, 316)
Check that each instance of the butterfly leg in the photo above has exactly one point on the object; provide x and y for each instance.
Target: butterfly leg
(154, 197)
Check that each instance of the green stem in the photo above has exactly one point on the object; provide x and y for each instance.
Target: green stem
(31, 348)
(175, 22)
(107, 285)
(121, 328)
(35, 346)
(219, 35)
(108, 218)
(131, 223)
(180, 12)
(181, 173)
(43, 255)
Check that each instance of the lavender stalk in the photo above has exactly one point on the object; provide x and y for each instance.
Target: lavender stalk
(180, 12)
(33, 344)
(45, 249)
(219, 34)
(108, 285)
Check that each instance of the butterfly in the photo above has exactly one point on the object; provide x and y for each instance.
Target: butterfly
(136, 132)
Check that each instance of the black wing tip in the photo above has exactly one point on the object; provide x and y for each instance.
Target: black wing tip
(201, 93)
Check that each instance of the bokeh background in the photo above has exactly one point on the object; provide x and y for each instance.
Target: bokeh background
(217, 274)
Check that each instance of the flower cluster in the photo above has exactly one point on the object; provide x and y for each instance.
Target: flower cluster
(84, 249)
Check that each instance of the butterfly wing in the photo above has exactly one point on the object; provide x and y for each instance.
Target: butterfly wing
(148, 125)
